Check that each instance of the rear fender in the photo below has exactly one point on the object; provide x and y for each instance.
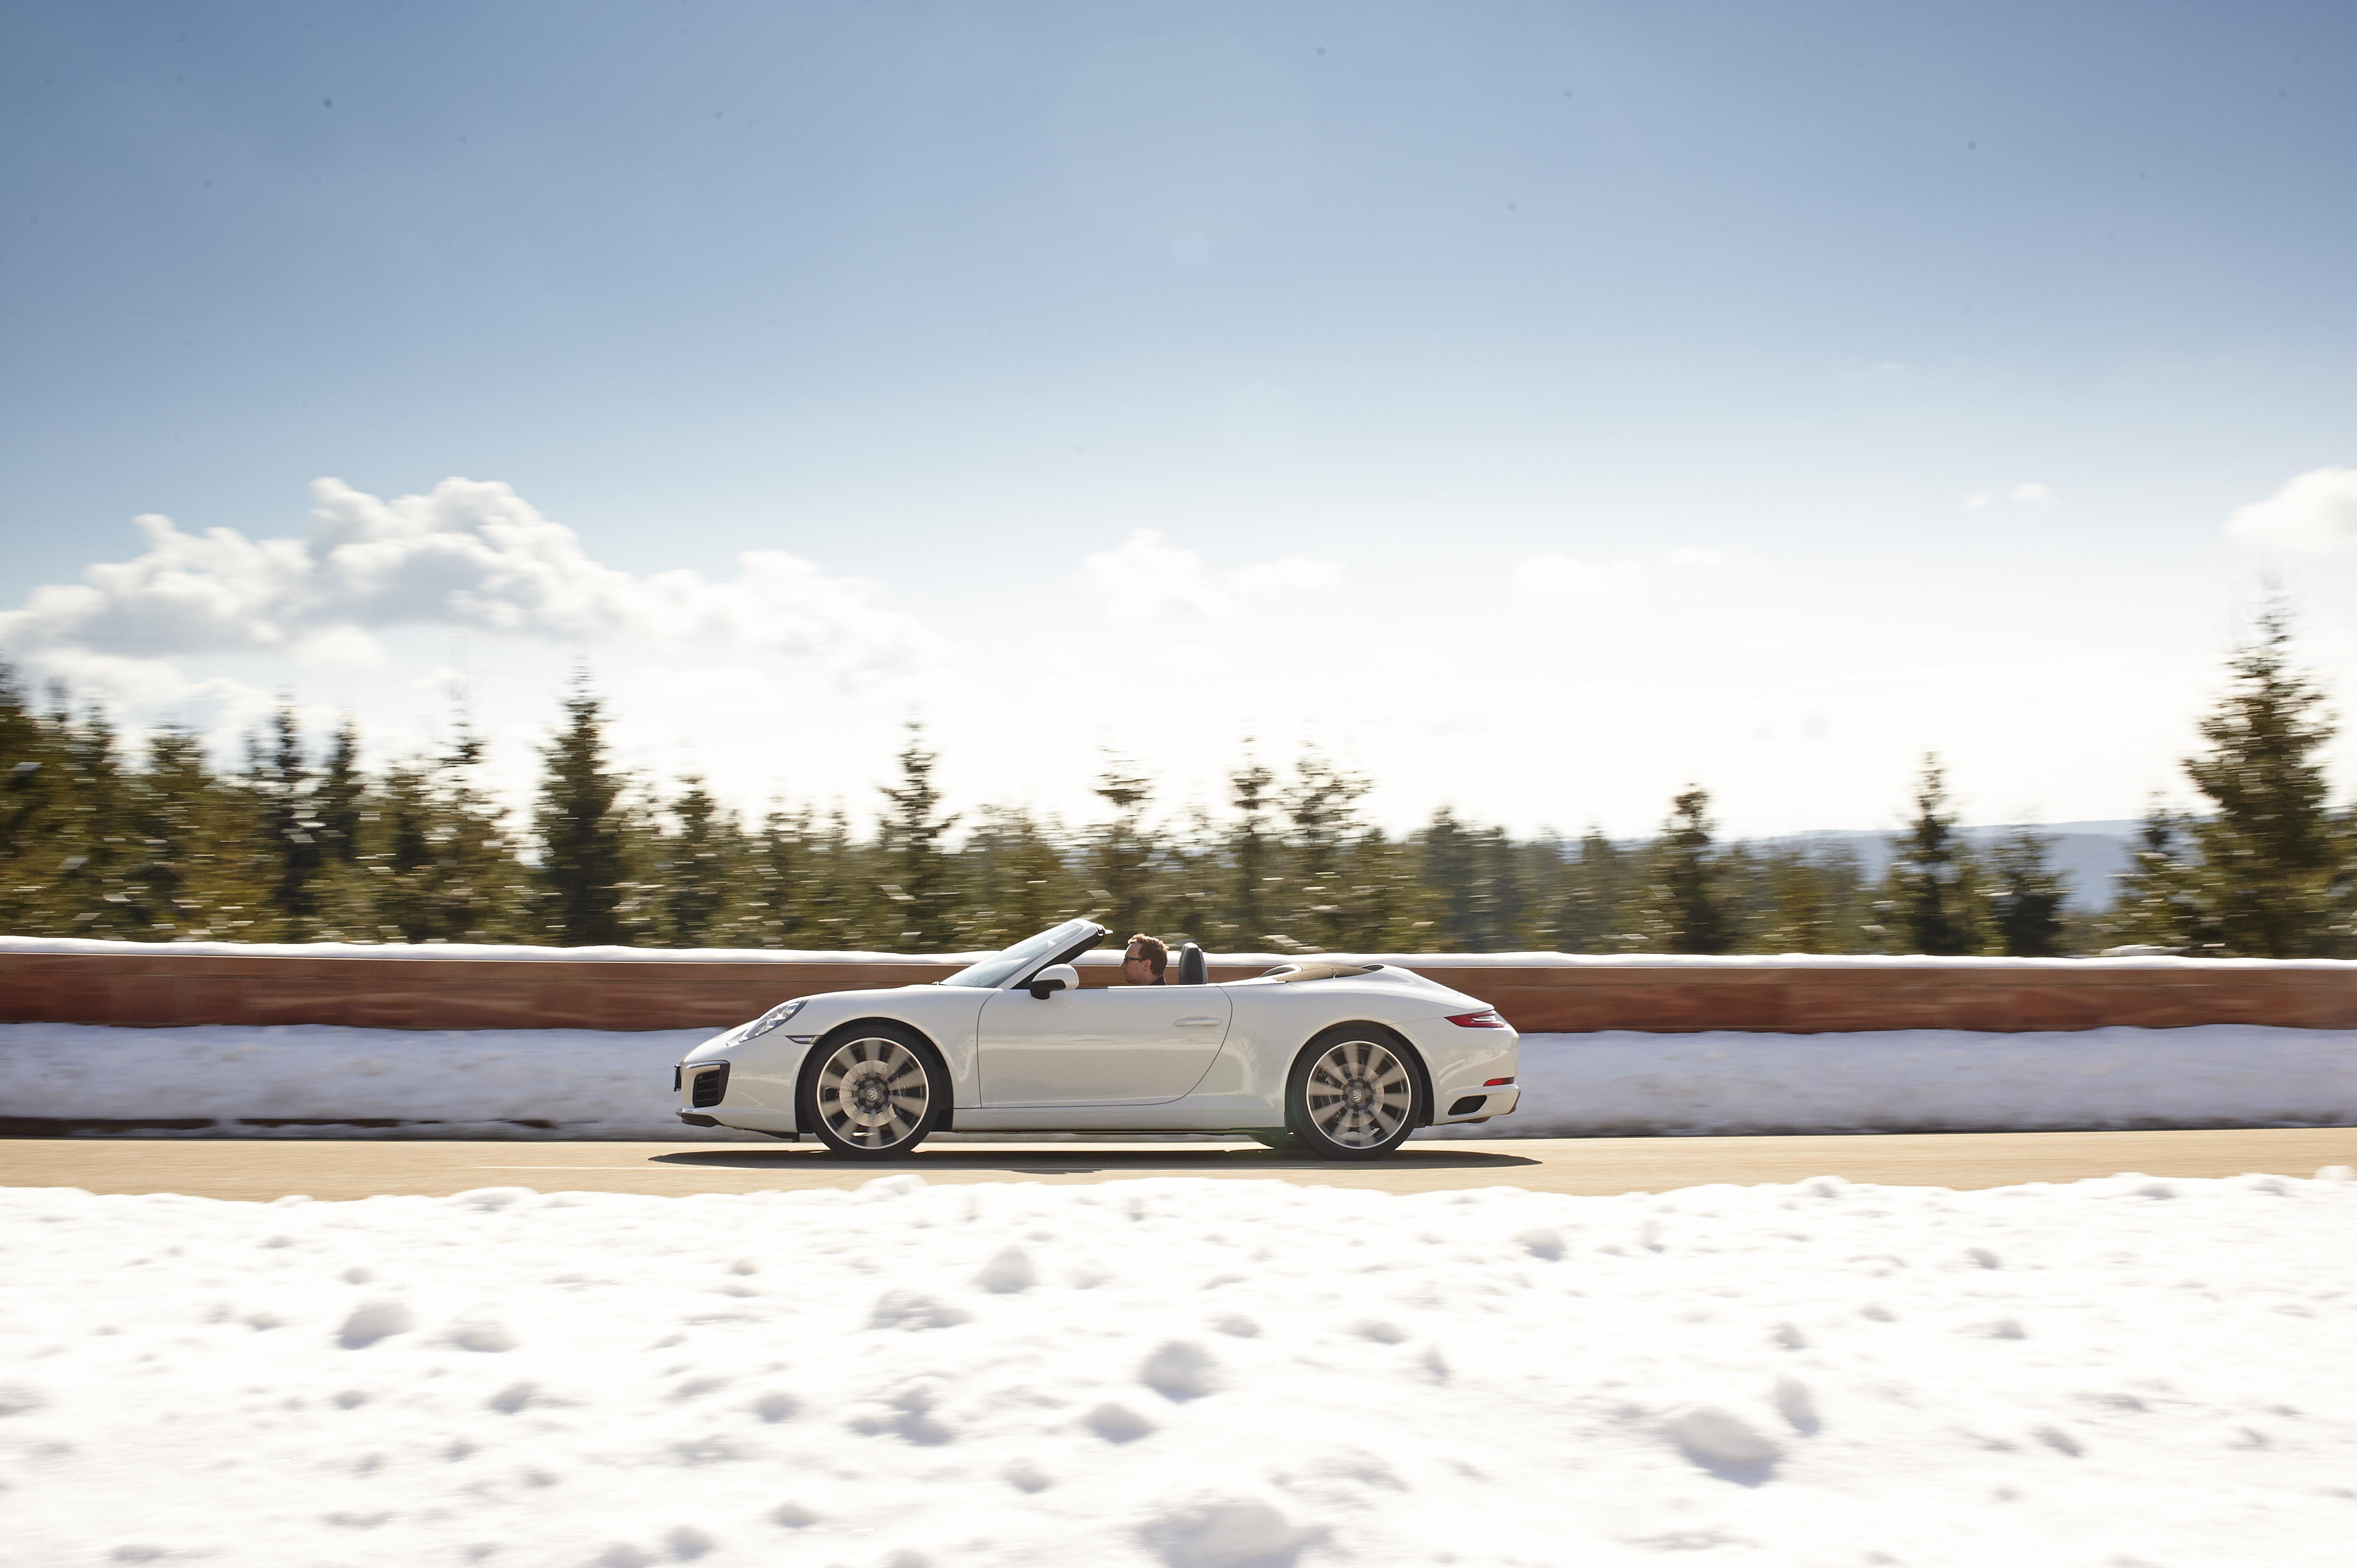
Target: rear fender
(1408, 1053)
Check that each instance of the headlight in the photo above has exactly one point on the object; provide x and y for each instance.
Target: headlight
(772, 1019)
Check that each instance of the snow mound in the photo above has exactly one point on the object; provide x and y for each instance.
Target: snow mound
(1190, 1377)
(321, 1080)
(1622, 1083)
(312, 1080)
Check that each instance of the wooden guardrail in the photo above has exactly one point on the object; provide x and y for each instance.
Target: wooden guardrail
(395, 988)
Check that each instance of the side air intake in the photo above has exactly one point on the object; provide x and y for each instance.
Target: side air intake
(711, 1085)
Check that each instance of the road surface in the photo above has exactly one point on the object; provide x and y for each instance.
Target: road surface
(255, 1169)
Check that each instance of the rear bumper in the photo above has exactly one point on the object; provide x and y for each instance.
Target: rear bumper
(1479, 1105)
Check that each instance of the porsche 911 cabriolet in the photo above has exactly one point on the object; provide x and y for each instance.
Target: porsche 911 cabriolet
(1340, 1059)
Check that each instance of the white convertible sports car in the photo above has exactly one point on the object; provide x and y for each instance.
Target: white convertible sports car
(1343, 1060)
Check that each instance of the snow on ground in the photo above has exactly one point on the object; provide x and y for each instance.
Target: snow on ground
(588, 1084)
(1193, 1374)
(1617, 1082)
(438, 1083)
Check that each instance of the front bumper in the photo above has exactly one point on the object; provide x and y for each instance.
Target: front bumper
(710, 1095)
(701, 1086)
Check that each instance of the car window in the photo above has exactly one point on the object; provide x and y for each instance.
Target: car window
(1000, 967)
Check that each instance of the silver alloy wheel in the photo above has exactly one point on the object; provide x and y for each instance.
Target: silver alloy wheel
(873, 1093)
(1359, 1095)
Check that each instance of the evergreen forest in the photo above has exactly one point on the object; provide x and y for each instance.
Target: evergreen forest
(300, 843)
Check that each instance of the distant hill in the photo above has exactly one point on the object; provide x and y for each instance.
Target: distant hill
(2088, 854)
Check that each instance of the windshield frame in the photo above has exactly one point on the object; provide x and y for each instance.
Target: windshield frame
(1018, 961)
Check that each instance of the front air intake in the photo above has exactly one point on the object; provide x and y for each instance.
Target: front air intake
(1464, 1107)
(710, 1086)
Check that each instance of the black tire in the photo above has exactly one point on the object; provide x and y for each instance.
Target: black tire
(873, 1091)
(1354, 1093)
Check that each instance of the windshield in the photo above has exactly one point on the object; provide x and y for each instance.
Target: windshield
(1000, 967)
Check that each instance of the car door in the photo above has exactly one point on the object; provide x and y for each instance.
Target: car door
(1125, 1044)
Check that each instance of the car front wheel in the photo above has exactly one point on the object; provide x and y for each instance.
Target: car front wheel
(875, 1092)
(1353, 1094)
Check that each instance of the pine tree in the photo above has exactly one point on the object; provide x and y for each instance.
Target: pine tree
(163, 822)
(89, 894)
(1251, 857)
(582, 825)
(790, 895)
(32, 793)
(1507, 868)
(2160, 901)
(196, 832)
(1592, 891)
(1018, 881)
(1122, 861)
(813, 888)
(402, 857)
(1689, 875)
(2276, 866)
(910, 844)
(280, 784)
(1321, 818)
(1386, 907)
(343, 892)
(1800, 899)
(337, 798)
(697, 866)
(2026, 897)
(1451, 869)
(438, 860)
(1931, 874)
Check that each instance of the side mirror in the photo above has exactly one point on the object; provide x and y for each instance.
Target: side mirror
(1054, 978)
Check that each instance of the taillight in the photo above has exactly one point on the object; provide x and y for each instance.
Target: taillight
(1485, 1019)
(1497, 1082)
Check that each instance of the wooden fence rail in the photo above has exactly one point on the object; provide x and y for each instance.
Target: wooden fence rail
(159, 987)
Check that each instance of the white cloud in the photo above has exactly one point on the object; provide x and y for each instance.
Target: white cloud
(2313, 514)
(1546, 576)
(2022, 497)
(470, 554)
(1147, 579)
(1287, 574)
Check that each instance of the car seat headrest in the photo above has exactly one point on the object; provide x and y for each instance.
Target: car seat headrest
(1193, 969)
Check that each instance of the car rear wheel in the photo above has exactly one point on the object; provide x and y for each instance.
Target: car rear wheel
(874, 1092)
(1353, 1093)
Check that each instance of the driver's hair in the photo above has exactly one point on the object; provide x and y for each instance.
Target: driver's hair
(1151, 949)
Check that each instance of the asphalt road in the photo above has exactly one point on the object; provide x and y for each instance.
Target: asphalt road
(261, 1169)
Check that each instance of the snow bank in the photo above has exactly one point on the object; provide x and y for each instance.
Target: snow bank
(1187, 1374)
(445, 1083)
(588, 1083)
(1618, 1083)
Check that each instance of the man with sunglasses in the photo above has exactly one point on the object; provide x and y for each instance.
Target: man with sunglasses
(1143, 961)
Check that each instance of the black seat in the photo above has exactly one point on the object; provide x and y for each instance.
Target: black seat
(1193, 970)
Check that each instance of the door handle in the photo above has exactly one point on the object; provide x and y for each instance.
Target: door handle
(1194, 1023)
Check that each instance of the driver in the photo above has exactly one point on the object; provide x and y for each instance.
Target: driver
(1143, 961)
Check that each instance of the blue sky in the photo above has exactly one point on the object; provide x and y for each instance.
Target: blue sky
(1539, 406)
